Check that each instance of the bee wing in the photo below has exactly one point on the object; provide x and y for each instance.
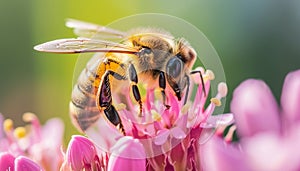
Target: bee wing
(85, 29)
(83, 45)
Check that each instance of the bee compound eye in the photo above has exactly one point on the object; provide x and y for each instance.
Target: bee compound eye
(146, 50)
(174, 67)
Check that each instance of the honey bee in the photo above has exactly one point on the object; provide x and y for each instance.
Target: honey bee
(149, 55)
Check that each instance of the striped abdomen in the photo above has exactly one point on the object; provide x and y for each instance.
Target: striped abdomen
(83, 109)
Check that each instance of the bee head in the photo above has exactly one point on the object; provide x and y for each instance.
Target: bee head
(179, 65)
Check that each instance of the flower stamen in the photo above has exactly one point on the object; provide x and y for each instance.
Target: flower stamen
(222, 89)
(229, 136)
(34, 123)
(209, 75)
(220, 130)
(185, 108)
(216, 101)
(29, 117)
(8, 125)
(20, 132)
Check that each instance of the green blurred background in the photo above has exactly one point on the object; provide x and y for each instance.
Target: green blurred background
(258, 39)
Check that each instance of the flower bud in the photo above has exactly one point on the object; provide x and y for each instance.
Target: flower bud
(81, 154)
(25, 164)
(6, 161)
(127, 154)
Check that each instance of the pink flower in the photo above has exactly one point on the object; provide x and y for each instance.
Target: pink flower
(81, 155)
(26, 164)
(269, 134)
(160, 139)
(9, 162)
(6, 161)
(127, 154)
(39, 143)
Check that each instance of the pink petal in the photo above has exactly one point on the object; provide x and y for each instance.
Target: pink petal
(203, 116)
(170, 116)
(206, 134)
(127, 154)
(177, 133)
(161, 137)
(218, 120)
(174, 109)
(255, 108)
(269, 151)
(166, 118)
(213, 122)
(109, 134)
(182, 121)
(48, 149)
(54, 130)
(200, 99)
(221, 156)
(290, 97)
(150, 99)
(25, 164)
(80, 151)
(6, 161)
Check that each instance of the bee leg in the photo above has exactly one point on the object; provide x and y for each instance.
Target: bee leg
(187, 88)
(162, 86)
(202, 81)
(135, 90)
(105, 100)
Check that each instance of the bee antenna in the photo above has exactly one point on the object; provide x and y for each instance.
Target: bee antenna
(202, 81)
(201, 78)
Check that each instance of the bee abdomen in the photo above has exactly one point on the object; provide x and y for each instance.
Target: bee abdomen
(83, 118)
(83, 109)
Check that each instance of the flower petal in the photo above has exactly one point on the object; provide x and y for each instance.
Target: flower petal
(255, 108)
(25, 164)
(161, 137)
(218, 120)
(45, 151)
(54, 130)
(263, 149)
(206, 134)
(6, 161)
(221, 156)
(81, 152)
(109, 134)
(177, 132)
(290, 97)
(127, 154)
